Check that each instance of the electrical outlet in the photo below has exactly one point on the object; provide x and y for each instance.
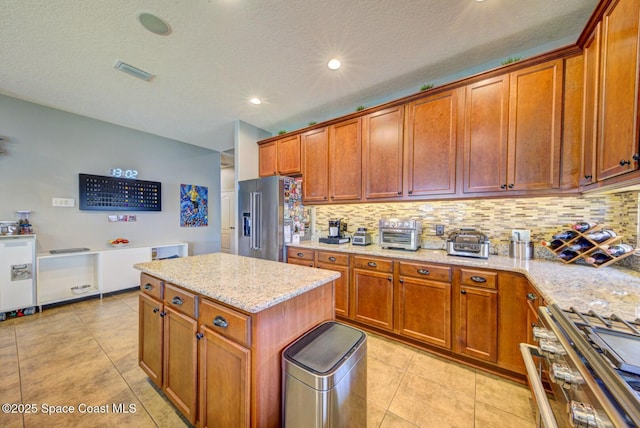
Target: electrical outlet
(439, 229)
(63, 202)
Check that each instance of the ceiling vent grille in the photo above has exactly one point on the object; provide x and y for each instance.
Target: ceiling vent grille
(134, 71)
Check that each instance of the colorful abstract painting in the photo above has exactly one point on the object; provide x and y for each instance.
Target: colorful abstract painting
(194, 205)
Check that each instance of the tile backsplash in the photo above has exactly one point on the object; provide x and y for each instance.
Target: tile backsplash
(496, 217)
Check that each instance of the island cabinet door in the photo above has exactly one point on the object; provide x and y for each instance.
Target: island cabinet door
(373, 298)
(224, 382)
(150, 337)
(181, 362)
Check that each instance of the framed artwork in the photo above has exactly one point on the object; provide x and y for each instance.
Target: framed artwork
(194, 205)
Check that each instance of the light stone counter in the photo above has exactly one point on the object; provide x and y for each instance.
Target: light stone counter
(248, 284)
(606, 290)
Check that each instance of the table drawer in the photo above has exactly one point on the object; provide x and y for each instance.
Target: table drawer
(333, 258)
(152, 286)
(373, 263)
(426, 271)
(225, 321)
(478, 278)
(299, 253)
(181, 300)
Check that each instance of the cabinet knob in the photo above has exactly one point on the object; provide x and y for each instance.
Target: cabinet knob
(423, 271)
(162, 314)
(177, 301)
(219, 321)
(399, 193)
(636, 157)
(532, 296)
(401, 281)
(310, 264)
(411, 192)
(155, 310)
(588, 176)
(624, 162)
(148, 286)
(504, 186)
(478, 279)
(511, 186)
(199, 335)
(390, 278)
(463, 291)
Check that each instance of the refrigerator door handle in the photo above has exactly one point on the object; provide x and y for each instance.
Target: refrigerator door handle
(256, 219)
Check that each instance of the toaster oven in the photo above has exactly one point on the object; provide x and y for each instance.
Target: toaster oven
(468, 243)
(401, 234)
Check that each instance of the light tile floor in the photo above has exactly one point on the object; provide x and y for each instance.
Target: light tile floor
(85, 353)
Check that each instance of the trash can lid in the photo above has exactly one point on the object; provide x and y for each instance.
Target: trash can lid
(323, 348)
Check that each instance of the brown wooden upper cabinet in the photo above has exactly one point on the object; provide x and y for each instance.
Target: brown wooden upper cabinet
(332, 163)
(591, 74)
(617, 144)
(280, 157)
(382, 154)
(431, 139)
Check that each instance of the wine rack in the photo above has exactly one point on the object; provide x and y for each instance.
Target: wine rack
(596, 246)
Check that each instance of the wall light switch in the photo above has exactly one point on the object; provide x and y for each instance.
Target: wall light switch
(63, 202)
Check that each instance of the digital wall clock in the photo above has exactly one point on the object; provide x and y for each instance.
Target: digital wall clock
(124, 173)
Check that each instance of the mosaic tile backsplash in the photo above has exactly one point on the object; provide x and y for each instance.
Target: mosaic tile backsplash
(496, 218)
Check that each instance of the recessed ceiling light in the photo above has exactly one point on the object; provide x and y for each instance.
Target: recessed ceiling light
(255, 101)
(154, 24)
(334, 64)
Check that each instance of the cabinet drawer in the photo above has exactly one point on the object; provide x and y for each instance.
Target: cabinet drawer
(225, 321)
(333, 258)
(152, 286)
(299, 253)
(373, 263)
(424, 271)
(478, 278)
(181, 300)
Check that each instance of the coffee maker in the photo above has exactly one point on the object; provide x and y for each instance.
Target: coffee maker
(337, 232)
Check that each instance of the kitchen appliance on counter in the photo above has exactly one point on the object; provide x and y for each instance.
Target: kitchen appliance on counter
(271, 214)
(593, 363)
(361, 237)
(468, 243)
(398, 233)
(337, 232)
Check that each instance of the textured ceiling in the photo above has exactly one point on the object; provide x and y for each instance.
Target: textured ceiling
(222, 52)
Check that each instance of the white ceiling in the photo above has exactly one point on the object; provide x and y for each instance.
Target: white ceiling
(223, 52)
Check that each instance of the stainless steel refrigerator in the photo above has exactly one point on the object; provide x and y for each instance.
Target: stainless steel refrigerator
(271, 215)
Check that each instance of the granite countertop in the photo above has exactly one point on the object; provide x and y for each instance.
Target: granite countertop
(606, 290)
(248, 284)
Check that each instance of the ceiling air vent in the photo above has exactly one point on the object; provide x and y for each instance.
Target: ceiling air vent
(134, 71)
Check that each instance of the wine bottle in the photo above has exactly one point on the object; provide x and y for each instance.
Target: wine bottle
(598, 257)
(619, 250)
(556, 243)
(580, 245)
(566, 235)
(583, 226)
(601, 235)
(567, 254)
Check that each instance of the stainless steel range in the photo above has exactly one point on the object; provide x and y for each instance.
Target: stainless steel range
(593, 364)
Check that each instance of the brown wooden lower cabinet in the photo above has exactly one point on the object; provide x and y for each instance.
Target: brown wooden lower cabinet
(150, 337)
(338, 262)
(372, 296)
(478, 317)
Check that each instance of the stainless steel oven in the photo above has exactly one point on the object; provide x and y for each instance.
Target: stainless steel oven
(400, 233)
(592, 364)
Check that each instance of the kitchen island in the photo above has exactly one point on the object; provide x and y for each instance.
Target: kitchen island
(212, 328)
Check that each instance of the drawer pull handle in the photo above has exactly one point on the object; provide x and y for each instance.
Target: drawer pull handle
(300, 254)
(332, 259)
(372, 264)
(177, 301)
(148, 286)
(220, 322)
(423, 271)
(532, 296)
(478, 279)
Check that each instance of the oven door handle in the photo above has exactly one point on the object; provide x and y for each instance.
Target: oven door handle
(546, 415)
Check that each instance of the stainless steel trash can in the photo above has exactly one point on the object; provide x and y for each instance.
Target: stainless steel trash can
(324, 378)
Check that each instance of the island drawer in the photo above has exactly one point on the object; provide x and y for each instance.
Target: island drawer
(154, 287)
(225, 321)
(478, 278)
(333, 258)
(181, 300)
(426, 271)
(299, 253)
(373, 263)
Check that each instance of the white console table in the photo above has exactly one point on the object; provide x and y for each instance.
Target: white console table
(102, 271)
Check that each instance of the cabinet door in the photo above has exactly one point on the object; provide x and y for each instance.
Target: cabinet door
(289, 155)
(618, 139)
(478, 323)
(268, 159)
(341, 288)
(315, 166)
(150, 337)
(431, 141)
(512, 321)
(382, 142)
(181, 362)
(591, 78)
(373, 298)
(224, 382)
(485, 135)
(535, 127)
(425, 311)
(345, 166)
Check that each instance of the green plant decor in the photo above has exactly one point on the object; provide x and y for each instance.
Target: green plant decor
(312, 123)
(282, 131)
(359, 108)
(425, 87)
(511, 60)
